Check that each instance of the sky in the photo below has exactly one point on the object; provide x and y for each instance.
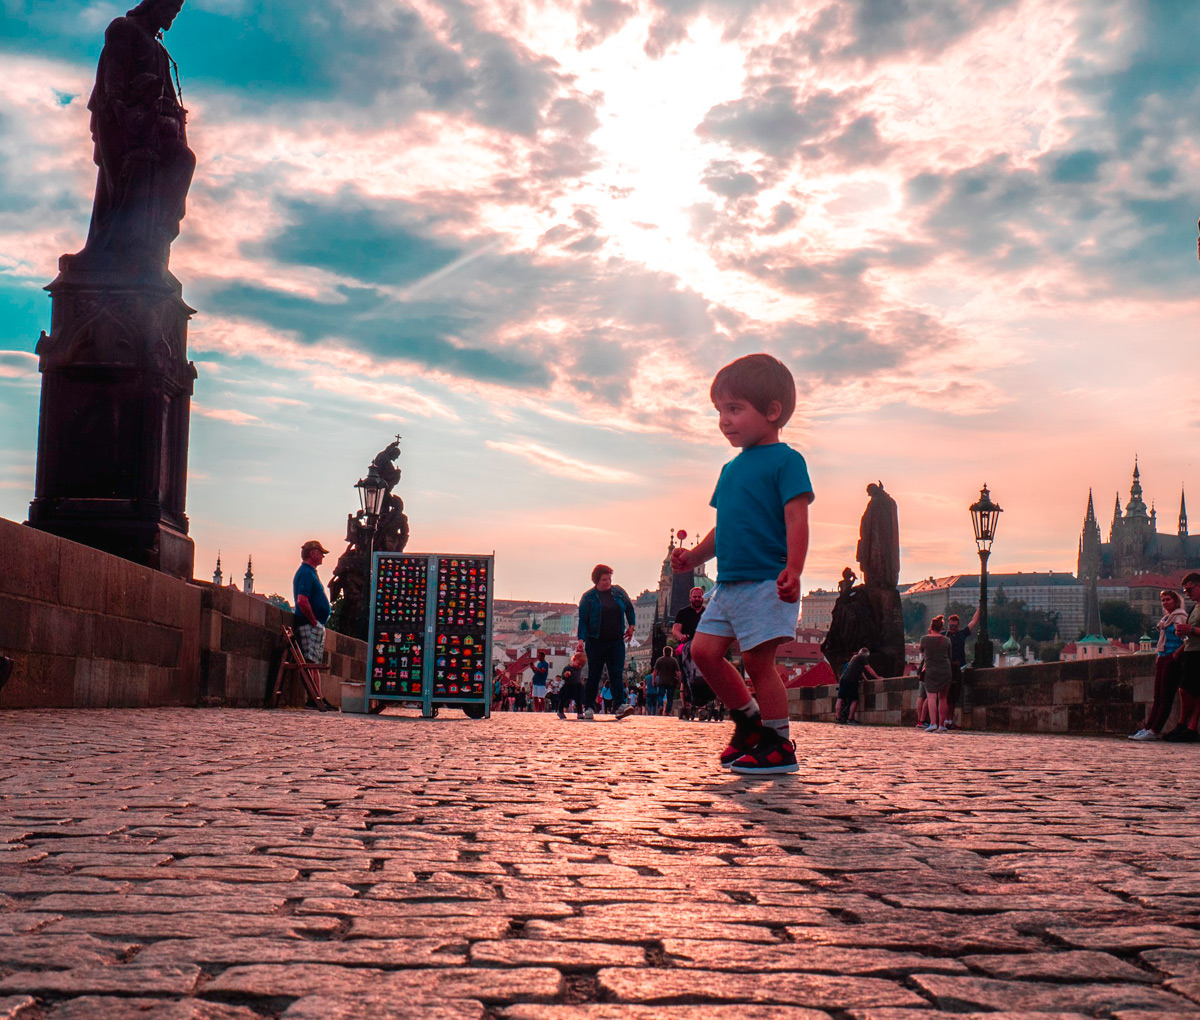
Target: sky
(525, 235)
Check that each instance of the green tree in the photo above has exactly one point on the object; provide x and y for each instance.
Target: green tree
(914, 618)
(278, 600)
(524, 625)
(1120, 620)
(1050, 651)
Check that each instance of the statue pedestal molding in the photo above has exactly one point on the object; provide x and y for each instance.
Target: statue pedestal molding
(115, 408)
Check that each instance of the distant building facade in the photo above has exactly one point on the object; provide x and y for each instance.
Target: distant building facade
(816, 609)
(1050, 592)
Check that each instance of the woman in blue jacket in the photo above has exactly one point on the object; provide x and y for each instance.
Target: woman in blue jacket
(602, 611)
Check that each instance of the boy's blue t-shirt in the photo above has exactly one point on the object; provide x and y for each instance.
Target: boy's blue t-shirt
(749, 500)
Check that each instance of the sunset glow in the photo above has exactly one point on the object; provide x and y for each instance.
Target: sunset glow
(525, 238)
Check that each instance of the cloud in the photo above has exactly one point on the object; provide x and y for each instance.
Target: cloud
(557, 463)
(229, 415)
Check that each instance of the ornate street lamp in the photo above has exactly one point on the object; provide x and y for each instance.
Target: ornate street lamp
(985, 515)
(371, 493)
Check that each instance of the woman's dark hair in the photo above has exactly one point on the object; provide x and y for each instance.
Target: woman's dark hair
(938, 624)
(599, 570)
(757, 379)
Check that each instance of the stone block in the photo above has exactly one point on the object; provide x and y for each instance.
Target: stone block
(167, 600)
(1068, 692)
(1136, 667)
(210, 630)
(257, 611)
(245, 679)
(212, 676)
(91, 683)
(27, 562)
(129, 685)
(80, 577)
(16, 623)
(55, 630)
(41, 681)
(126, 589)
(242, 638)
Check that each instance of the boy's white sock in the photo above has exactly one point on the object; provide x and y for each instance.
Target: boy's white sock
(780, 726)
(750, 708)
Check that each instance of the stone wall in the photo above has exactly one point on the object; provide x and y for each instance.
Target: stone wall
(92, 630)
(1100, 696)
(241, 645)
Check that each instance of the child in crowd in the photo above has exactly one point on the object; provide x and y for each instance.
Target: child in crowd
(760, 541)
(572, 686)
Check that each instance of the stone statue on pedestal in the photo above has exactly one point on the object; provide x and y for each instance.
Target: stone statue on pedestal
(390, 534)
(139, 129)
(870, 614)
(116, 381)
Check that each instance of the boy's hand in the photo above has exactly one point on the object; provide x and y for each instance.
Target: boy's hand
(787, 584)
(681, 560)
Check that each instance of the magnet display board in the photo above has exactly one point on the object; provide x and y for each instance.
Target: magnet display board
(431, 626)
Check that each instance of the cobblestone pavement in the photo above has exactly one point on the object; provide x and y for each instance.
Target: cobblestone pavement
(228, 865)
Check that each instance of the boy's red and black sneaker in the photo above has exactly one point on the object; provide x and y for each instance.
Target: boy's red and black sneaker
(747, 732)
(771, 756)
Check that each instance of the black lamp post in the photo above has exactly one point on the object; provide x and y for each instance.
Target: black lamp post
(985, 515)
(371, 493)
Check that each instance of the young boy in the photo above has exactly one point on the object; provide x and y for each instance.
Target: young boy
(760, 541)
(572, 686)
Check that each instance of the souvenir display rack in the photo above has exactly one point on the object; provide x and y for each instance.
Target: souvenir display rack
(431, 630)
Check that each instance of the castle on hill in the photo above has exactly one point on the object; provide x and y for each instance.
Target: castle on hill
(1135, 545)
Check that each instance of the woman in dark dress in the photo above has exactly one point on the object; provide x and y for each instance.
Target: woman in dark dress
(935, 655)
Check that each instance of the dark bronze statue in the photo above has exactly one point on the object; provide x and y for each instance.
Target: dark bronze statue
(869, 614)
(116, 380)
(878, 552)
(138, 126)
(390, 534)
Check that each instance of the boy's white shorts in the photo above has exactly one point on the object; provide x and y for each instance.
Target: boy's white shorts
(750, 611)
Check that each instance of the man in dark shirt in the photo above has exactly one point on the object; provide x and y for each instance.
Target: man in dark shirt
(958, 658)
(699, 693)
(666, 678)
(846, 709)
(687, 618)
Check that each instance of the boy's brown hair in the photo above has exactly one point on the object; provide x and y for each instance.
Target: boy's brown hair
(757, 379)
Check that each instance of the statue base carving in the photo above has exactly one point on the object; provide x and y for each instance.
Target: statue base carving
(115, 411)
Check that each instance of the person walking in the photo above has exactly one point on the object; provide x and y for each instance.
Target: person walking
(666, 678)
(540, 673)
(760, 542)
(602, 609)
(1166, 666)
(935, 658)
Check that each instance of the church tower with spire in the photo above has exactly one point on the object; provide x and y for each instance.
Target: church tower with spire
(1135, 547)
(1183, 525)
(218, 577)
(248, 580)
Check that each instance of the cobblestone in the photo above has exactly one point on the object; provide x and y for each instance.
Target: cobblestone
(224, 865)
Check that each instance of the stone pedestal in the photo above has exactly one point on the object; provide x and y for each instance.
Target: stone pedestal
(887, 648)
(113, 426)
